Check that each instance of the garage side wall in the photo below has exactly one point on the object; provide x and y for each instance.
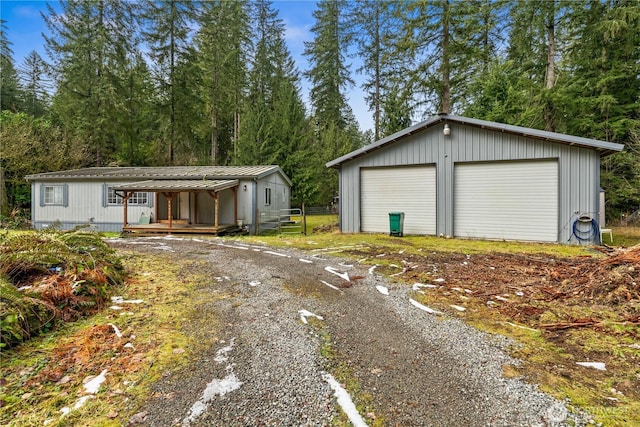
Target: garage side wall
(578, 170)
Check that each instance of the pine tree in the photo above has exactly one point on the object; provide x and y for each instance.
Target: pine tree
(10, 90)
(601, 88)
(329, 74)
(140, 121)
(89, 45)
(36, 83)
(167, 32)
(223, 43)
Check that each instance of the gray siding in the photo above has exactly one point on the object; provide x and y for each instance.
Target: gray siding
(579, 170)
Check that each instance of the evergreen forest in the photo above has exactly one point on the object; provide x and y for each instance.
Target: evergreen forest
(213, 82)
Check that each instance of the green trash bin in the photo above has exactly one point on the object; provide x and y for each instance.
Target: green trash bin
(396, 223)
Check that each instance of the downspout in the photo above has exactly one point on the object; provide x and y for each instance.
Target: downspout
(254, 206)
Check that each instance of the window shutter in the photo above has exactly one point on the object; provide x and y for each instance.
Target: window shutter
(41, 194)
(65, 195)
(105, 195)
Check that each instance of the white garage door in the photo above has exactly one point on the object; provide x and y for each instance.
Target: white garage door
(411, 190)
(507, 200)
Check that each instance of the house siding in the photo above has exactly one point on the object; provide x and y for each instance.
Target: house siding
(86, 206)
(578, 169)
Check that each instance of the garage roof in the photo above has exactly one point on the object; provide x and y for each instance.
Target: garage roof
(605, 148)
(178, 185)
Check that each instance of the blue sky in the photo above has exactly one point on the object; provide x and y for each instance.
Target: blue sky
(25, 27)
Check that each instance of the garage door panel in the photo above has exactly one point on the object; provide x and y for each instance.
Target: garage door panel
(411, 190)
(507, 200)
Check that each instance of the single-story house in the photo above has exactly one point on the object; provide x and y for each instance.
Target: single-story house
(187, 199)
(462, 177)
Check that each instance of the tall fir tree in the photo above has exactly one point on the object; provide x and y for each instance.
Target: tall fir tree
(601, 90)
(329, 73)
(373, 24)
(35, 79)
(223, 43)
(10, 90)
(167, 31)
(89, 44)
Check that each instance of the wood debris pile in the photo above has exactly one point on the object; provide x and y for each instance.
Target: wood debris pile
(523, 287)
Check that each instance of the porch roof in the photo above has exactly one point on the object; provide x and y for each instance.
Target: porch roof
(179, 185)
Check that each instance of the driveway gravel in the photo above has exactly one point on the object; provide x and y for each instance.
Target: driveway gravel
(415, 368)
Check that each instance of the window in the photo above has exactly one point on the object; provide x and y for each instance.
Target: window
(138, 198)
(267, 196)
(54, 195)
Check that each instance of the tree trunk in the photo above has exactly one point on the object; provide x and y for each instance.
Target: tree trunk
(550, 72)
(445, 101)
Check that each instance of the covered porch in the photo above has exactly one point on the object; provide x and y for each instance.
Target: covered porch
(184, 206)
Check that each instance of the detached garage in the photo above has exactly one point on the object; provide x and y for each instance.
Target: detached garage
(471, 178)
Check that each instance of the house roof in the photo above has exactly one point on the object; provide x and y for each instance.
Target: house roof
(178, 185)
(605, 148)
(161, 173)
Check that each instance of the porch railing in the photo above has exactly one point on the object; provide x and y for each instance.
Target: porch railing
(282, 221)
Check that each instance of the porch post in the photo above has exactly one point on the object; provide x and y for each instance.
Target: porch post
(216, 198)
(195, 208)
(235, 204)
(170, 208)
(126, 200)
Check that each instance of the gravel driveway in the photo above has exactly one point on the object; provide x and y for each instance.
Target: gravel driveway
(417, 368)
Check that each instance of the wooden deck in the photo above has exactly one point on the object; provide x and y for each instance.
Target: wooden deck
(180, 228)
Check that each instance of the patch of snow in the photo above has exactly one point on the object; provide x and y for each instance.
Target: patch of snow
(501, 298)
(423, 307)
(304, 314)
(216, 387)
(417, 286)
(277, 254)
(595, 365)
(255, 283)
(221, 354)
(129, 345)
(521, 327)
(341, 264)
(344, 400)
(383, 290)
(121, 300)
(307, 261)
(404, 270)
(115, 307)
(458, 307)
(372, 268)
(92, 386)
(330, 285)
(116, 330)
(332, 270)
(80, 402)
(439, 280)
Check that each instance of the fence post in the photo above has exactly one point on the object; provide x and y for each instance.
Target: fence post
(304, 220)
